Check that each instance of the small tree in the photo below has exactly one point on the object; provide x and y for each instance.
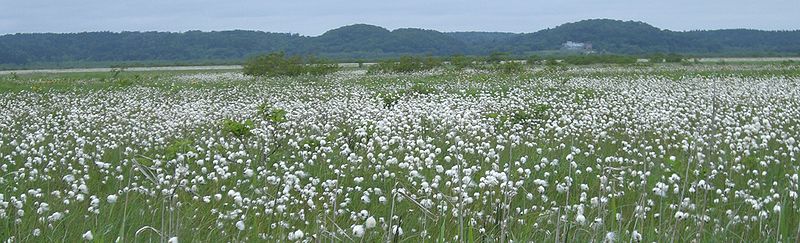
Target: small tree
(236, 128)
(405, 64)
(672, 57)
(509, 67)
(533, 59)
(497, 57)
(460, 61)
(278, 64)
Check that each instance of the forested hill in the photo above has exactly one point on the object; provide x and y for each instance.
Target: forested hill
(629, 37)
(368, 41)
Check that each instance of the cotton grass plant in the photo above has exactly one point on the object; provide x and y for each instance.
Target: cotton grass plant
(593, 153)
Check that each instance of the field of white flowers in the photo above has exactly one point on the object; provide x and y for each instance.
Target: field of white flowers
(577, 154)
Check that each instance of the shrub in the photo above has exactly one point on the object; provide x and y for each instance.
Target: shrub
(237, 129)
(551, 62)
(115, 71)
(460, 62)
(405, 64)
(596, 59)
(509, 67)
(389, 100)
(553, 66)
(278, 64)
(124, 82)
(178, 146)
(497, 57)
(660, 58)
(316, 66)
(536, 114)
(269, 113)
(533, 59)
(672, 57)
(422, 89)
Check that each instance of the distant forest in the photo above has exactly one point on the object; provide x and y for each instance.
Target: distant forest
(368, 42)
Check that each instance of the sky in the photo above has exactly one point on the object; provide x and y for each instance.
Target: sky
(313, 18)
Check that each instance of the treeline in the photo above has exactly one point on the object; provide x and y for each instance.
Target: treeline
(281, 64)
(369, 42)
(139, 46)
(638, 38)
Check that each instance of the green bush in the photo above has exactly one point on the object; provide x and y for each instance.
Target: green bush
(278, 64)
(536, 114)
(269, 113)
(316, 66)
(497, 57)
(178, 146)
(389, 100)
(460, 62)
(406, 64)
(422, 89)
(534, 59)
(237, 129)
(661, 58)
(597, 59)
(509, 67)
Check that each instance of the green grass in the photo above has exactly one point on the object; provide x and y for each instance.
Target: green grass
(277, 141)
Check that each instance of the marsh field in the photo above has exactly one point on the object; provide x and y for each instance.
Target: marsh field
(600, 153)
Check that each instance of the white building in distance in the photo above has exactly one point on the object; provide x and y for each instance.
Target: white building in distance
(577, 46)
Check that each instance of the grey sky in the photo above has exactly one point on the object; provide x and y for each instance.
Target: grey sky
(315, 17)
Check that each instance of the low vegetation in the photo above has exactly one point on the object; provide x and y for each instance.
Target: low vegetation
(599, 59)
(279, 64)
(570, 153)
(406, 64)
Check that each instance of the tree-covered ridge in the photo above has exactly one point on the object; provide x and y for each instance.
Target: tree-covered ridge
(368, 41)
(362, 38)
(610, 35)
(126, 46)
(631, 37)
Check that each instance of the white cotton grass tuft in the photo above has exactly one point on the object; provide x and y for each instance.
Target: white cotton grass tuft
(397, 230)
(111, 199)
(681, 215)
(173, 239)
(610, 237)
(88, 236)
(580, 219)
(358, 230)
(240, 225)
(55, 217)
(296, 235)
(370, 222)
(636, 237)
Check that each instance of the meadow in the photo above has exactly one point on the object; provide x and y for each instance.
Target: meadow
(600, 153)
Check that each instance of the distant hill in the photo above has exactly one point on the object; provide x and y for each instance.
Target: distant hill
(363, 40)
(139, 46)
(482, 43)
(368, 41)
(630, 37)
(605, 35)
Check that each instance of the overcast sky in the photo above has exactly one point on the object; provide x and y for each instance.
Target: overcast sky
(315, 17)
